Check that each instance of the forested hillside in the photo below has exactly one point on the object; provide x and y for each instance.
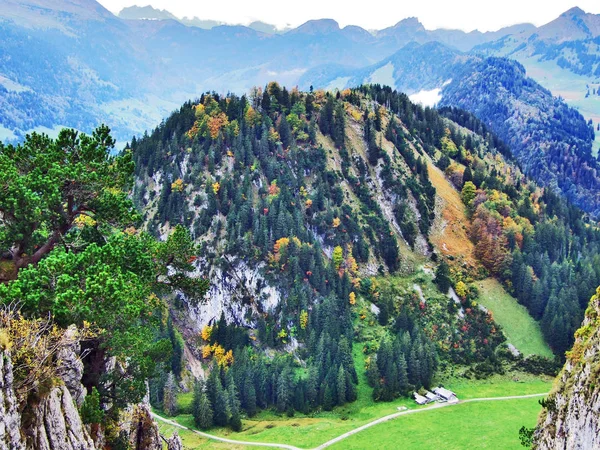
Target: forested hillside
(302, 201)
(552, 142)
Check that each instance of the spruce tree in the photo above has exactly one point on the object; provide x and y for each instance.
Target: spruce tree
(442, 276)
(235, 419)
(170, 396)
(467, 175)
(202, 409)
(249, 396)
(221, 405)
(341, 386)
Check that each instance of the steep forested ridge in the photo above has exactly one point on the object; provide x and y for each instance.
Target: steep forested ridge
(320, 192)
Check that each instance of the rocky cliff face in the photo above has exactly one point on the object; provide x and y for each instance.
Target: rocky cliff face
(571, 418)
(52, 421)
(56, 423)
(10, 419)
(143, 432)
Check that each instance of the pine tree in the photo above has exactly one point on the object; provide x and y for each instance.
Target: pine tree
(202, 409)
(221, 405)
(442, 276)
(266, 102)
(341, 386)
(170, 396)
(328, 396)
(235, 420)
(197, 394)
(467, 175)
(402, 373)
(373, 372)
(283, 391)
(177, 344)
(249, 396)
(339, 131)
(326, 117)
(284, 132)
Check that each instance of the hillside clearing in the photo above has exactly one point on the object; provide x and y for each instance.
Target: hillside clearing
(449, 424)
(520, 328)
(312, 431)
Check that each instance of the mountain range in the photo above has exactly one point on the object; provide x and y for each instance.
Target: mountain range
(406, 208)
(98, 55)
(76, 64)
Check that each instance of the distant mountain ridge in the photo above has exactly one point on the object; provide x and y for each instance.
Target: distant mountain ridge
(405, 31)
(127, 72)
(572, 40)
(145, 13)
(131, 73)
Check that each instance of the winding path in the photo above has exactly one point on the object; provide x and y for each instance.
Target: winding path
(349, 433)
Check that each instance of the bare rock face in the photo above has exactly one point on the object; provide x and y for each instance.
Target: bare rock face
(571, 419)
(174, 443)
(71, 366)
(55, 423)
(10, 419)
(143, 432)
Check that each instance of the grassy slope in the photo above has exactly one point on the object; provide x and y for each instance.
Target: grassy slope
(192, 441)
(520, 328)
(472, 425)
(492, 425)
(450, 236)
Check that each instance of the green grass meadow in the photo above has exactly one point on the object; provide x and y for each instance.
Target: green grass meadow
(491, 421)
(485, 425)
(520, 328)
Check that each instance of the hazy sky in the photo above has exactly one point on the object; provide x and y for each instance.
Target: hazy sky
(372, 14)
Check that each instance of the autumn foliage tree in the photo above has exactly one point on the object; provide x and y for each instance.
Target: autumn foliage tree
(491, 244)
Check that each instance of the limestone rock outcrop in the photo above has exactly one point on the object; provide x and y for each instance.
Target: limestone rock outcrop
(70, 367)
(143, 431)
(174, 442)
(10, 419)
(571, 418)
(56, 424)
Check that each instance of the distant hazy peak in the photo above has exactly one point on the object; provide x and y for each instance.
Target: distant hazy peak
(574, 24)
(57, 14)
(319, 26)
(575, 11)
(410, 23)
(145, 12)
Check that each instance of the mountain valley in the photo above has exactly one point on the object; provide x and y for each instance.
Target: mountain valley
(296, 238)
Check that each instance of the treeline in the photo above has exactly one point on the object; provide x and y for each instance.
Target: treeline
(249, 381)
(402, 365)
(557, 269)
